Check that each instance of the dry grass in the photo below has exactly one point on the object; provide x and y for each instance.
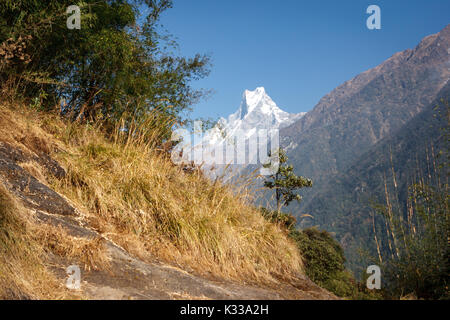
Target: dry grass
(135, 196)
(21, 127)
(90, 253)
(22, 271)
(35, 169)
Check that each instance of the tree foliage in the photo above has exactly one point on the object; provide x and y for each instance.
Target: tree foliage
(117, 65)
(323, 257)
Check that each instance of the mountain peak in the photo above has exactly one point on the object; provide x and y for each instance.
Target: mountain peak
(257, 101)
(259, 91)
(256, 112)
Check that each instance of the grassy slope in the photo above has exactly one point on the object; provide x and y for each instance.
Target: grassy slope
(135, 196)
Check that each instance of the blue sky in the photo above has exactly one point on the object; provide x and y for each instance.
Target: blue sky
(298, 50)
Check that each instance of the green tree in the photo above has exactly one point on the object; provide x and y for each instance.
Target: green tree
(324, 261)
(323, 258)
(285, 182)
(117, 66)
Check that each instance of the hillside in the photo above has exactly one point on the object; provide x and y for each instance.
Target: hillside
(345, 206)
(97, 107)
(138, 226)
(348, 122)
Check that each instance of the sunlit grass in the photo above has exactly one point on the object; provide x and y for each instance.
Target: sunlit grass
(130, 192)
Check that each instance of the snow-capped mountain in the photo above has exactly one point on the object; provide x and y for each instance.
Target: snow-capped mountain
(257, 113)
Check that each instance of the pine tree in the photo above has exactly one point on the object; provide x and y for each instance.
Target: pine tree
(285, 182)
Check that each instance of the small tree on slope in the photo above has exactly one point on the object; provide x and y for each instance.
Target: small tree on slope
(285, 182)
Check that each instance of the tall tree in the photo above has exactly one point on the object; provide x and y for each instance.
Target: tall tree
(116, 65)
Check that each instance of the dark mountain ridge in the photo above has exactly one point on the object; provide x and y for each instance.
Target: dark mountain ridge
(345, 204)
(342, 143)
(362, 111)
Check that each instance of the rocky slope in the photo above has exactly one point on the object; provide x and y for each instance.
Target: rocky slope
(121, 275)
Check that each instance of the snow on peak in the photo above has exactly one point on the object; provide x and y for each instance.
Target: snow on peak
(258, 110)
(252, 97)
(256, 100)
